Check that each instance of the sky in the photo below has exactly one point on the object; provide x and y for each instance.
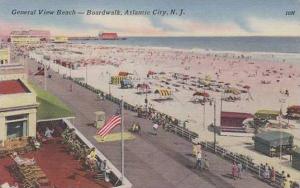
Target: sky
(201, 18)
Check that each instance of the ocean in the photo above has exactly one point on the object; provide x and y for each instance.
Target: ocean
(240, 44)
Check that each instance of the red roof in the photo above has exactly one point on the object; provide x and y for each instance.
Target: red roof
(238, 115)
(12, 87)
(109, 36)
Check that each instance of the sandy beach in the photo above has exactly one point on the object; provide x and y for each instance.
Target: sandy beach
(266, 75)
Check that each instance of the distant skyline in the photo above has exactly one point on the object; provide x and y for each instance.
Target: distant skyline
(201, 18)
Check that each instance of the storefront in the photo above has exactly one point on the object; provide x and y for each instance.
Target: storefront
(18, 107)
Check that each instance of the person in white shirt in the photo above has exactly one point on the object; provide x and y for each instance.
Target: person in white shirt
(155, 128)
(48, 133)
(198, 160)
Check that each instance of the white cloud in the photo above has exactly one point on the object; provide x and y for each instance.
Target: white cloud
(198, 28)
(272, 27)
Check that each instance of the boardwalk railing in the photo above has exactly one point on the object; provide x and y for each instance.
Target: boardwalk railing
(181, 131)
(176, 129)
(246, 161)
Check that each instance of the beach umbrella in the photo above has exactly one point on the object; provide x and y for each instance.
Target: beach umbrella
(121, 73)
(204, 94)
(151, 72)
(207, 78)
(233, 91)
(143, 86)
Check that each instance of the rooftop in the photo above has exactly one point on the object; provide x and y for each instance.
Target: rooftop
(12, 87)
(273, 135)
(236, 115)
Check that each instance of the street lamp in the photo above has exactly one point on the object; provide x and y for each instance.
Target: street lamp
(109, 91)
(282, 100)
(86, 73)
(215, 125)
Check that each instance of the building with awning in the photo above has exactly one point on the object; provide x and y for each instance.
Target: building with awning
(234, 121)
(269, 142)
(18, 107)
(296, 158)
(29, 36)
(267, 114)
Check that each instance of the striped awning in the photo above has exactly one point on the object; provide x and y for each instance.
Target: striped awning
(164, 92)
(117, 79)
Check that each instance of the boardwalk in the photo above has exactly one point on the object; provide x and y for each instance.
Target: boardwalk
(162, 161)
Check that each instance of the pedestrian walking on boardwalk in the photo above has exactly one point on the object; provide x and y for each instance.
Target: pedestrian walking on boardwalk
(198, 160)
(155, 128)
(240, 170)
(234, 171)
(273, 176)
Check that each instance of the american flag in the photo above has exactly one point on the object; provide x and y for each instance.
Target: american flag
(109, 125)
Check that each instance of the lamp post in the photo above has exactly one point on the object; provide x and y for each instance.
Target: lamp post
(215, 126)
(280, 126)
(146, 100)
(86, 74)
(204, 98)
(45, 76)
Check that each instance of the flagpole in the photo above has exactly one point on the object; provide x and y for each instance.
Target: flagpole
(45, 76)
(122, 140)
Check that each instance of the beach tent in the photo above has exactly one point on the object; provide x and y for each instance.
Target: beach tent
(151, 72)
(143, 87)
(203, 82)
(267, 114)
(232, 90)
(296, 158)
(263, 142)
(163, 92)
(116, 80)
(246, 87)
(126, 83)
(207, 78)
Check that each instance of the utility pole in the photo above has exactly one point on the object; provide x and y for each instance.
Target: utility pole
(70, 70)
(280, 125)
(204, 115)
(45, 76)
(215, 126)
(86, 73)
(109, 82)
(122, 140)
